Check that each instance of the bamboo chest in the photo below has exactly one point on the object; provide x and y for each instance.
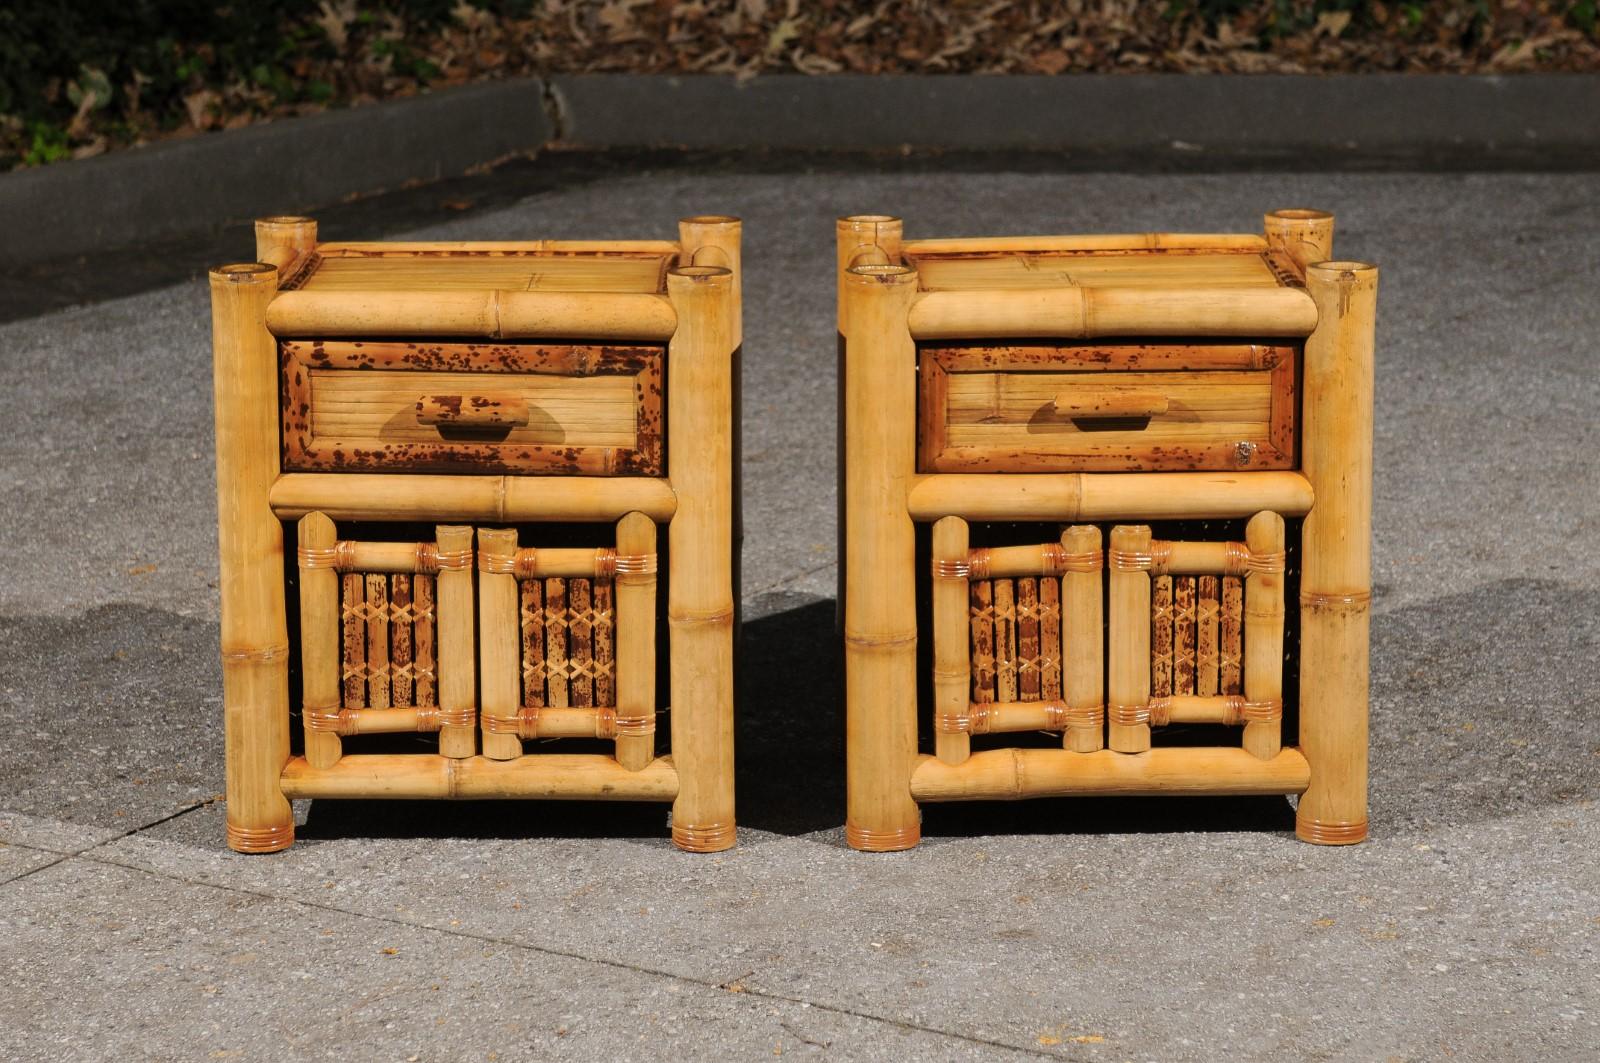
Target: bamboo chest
(1122, 486)
(444, 472)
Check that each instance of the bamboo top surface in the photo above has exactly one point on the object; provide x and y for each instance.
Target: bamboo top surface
(1131, 267)
(484, 270)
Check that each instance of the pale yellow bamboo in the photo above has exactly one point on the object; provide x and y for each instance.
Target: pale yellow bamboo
(714, 240)
(549, 776)
(1004, 562)
(1128, 685)
(1263, 636)
(284, 240)
(1087, 312)
(385, 496)
(880, 594)
(858, 233)
(499, 643)
(255, 638)
(1304, 235)
(1082, 641)
(700, 540)
(635, 622)
(952, 660)
(400, 248)
(491, 314)
(1008, 774)
(999, 717)
(1107, 496)
(385, 557)
(458, 701)
(564, 562)
(1194, 708)
(1196, 558)
(568, 722)
(1335, 582)
(1096, 242)
(319, 641)
(385, 721)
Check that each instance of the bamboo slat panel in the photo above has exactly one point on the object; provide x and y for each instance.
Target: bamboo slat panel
(389, 623)
(480, 271)
(568, 642)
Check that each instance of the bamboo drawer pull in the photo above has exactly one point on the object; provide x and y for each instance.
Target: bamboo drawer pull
(1110, 403)
(472, 411)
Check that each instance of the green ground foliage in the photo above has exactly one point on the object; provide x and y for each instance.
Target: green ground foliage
(80, 77)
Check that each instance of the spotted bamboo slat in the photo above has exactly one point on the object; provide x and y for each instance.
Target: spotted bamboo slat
(388, 623)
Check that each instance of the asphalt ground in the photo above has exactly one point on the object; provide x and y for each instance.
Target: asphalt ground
(1468, 927)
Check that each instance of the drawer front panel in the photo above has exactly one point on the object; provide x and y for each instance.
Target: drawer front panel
(1106, 408)
(430, 407)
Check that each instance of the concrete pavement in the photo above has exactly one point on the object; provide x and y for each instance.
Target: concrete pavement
(1468, 926)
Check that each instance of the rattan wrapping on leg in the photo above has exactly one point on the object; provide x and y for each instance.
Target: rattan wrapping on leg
(952, 622)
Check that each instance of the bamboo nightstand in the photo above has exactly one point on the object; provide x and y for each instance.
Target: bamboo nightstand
(1132, 450)
(517, 394)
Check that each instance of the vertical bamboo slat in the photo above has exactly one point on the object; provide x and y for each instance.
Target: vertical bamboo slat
(952, 663)
(453, 623)
(557, 629)
(1335, 580)
(255, 638)
(1161, 636)
(354, 668)
(1050, 638)
(1305, 235)
(377, 640)
(581, 639)
(1083, 641)
(635, 619)
(400, 654)
(1028, 639)
(1183, 634)
(499, 671)
(1263, 636)
(700, 541)
(1207, 618)
(981, 614)
(1230, 663)
(320, 656)
(1128, 685)
(880, 598)
(1005, 640)
(605, 687)
(531, 618)
(422, 635)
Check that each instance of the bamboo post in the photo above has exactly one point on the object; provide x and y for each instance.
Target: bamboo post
(880, 594)
(1263, 636)
(700, 540)
(1083, 639)
(285, 239)
(1128, 686)
(714, 240)
(255, 638)
(1336, 564)
(499, 642)
(320, 658)
(1304, 235)
(635, 622)
(454, 628)
(952, 660)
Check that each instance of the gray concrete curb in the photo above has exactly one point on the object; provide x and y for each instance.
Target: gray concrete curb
(1165, 121)
(176, 187)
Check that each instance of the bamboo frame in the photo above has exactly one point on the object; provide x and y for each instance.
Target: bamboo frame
(636, 644)
(1128, 635)
(1082, 643)
(1010, 774)
(640, 318)
(501, 499)
(700, 605)
(319, 641)
(1095, 242)
(1306, 236)
(1263, 637)
(255, 637)
(1084, 313)
(499, 644)
(1075, 496)
(549, 776)
(1335, 581)
(952, 666)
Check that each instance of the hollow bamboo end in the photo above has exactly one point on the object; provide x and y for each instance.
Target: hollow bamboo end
(1298, 215)
(244, 273)
(1341, 272)
(887, 273)
(717, 838)
(882, 841)
(1319, 833)
(260, 839)
(691, 276)
(726, 221)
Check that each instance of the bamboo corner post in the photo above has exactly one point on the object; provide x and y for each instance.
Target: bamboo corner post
(1304, 235)
(880, 596)
(255, 638)
(700, 606)
(1336, 567)
(285, 240)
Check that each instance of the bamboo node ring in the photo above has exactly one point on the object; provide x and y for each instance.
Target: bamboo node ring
(1336, 601)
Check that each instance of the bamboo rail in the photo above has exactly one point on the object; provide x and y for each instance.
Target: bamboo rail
(1082, 312)
(880, 607)
(1009, 774)
(503, 499)
(426, 247)
(492, 314)
(1095, 242)
(1107, 495)
(549, 776)
(1335, 582)
(255, 637)
(700, 540)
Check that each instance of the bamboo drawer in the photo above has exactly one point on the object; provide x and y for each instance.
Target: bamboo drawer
(1097, 407)
(501, 407)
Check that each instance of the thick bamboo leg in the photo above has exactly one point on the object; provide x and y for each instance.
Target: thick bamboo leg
(1304, 235)
(880, 589)
(700, 540)
(457, 686)
(1128, 686)
(320, 660)
(1263, 637)
(499, 642)
(255, 637)
(1336, 561)
(952, 661)
(1083, 639)
(635, 621)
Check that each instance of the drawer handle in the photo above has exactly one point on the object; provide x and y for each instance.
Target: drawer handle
(472, 411)
(1110, 403)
